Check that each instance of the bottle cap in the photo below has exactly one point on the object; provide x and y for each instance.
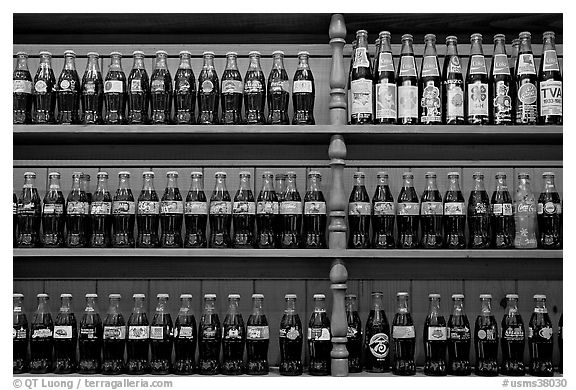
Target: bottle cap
(22, 54)
(457, 296)
(136, 53)
(511, 296)
(475, 36)
(77, 174)
(457, 174)
(116, 53)
(124, 173)
(114, 296)
(314, 173)
(290, 296)
(278, 52)
(267, 174)
(220, 173)
(184, 52)
(41, 295)
(233, 296)
(162, 295)
(539, 296)
(45, 53)
(478, 174)
(303, 53)
(196, 174)
(384, 34)
(407, 175)
(57, 174)
(485, 296)
(148, 173)
(102, 174)
(91, 296)
(451, 38)
(65, 295)
(548, 34)
(17, 295)
(429, 37)
(361, 32)
(402, 294)
(291, 174)
(499, 36)
(232, 53)
(139, 296)
(30, 174)
(257, 296)
(172, 173)
(523, 175)
(350, 296)
(319, 296)
(407, 37)
(280, 176)
(359, 174)
(208, 53)
(430, 174)
(500, 174)
(244, 173)
(209, 296)
(434, 296)
(377, 293)
(382, 174)
(185, 296)
(69, 53)
(515, 42)
(524, 34)
(161, 53)
(547, 174)
(254, 53)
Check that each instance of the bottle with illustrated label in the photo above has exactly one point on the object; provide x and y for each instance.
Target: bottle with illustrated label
(303, 92)
(65, 337)
(208, 91)
(44, 93)
(291, 215)
(68, 91)
(77, 213)
(114, 338)
(408, 213)
(407, 81)
(29, 213)
(361, 100)
(549, 215)
(115, 91)
(386, 110)
(478, 214)
(101, 214)
(429, 96)
(486, 339)
(21, 90)
(123, 213)
(540, 340)
(90, 338)
(280, 188)
(435, 339)
(513, 339)
(233, 338)
(220, 213)
(20, 336)
(243, 214)
(501, 85)
(196, 213)
(171, 213)
(92, 91)
(185, 337)
(161, 338)
(184, 91)
(161, 90)
(138, 91)
(290, 339)
(267, 213)
(278, 91)
(550, 85)
(454, 214)
(148, 217)
(403, 337)
(232, 91)
(452, 85)
(383, 214)
(501, 215)
(41, 338)
(53, 216)
(477, 101)
(257, 338)
(431, 214)
(254, 91)
(319, 339)
(359, 212)
(526, 83)
(209, 338)
(525, 214)
(349, 80)
(377, 337)
(314, 213)
(514, 56)
(459, 335)
(353, 334)
(138, 342)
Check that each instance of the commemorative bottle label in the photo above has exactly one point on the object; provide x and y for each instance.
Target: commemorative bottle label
(27, 208)
(477, 65)
(157, 332)
(550, 97)
(408, 208)
(123, 207)
(318, 334)
(545, 333)
(207, 86)
(454, 99)
(43, 333)
(454, 208)
(459, 333)
(257, 332)
(315, 208)
(114, 332)
(280, 86)
(67, 85)
(513, 333)
(18, 333)
(407, 101)
(431, 103)
(89, 87)
(407, 66)
(525, 207)
(253, 86)
(361, 91)
(40, 86)
(219, 207)
(360, 58)
(302, 86)
(502, 209)
(52, 208)
(172, 207)
(290, 208)
(386, 101)
(487, 334)
(403, 332)
(77, 208)
(437, 333)
(233, 332)
(549, 208)
(140, 332)
(478, 99)
(290, 332)
(196, 208)
(114, 86)
(232, 86)
(208, 332)
(88, 333)
(244, 208)
(359, 208)
(157, 86)
(502, 102)
(385, 63)
(62, 331)
(430, 66)
(431, 208)
(455, 66)
(384, 208)
(379, 345)
(146, 207)
(21, 86)
(526, 64)
(101, 208)
(267, 207)
(184, 332)
(551, 61)
(501, 64)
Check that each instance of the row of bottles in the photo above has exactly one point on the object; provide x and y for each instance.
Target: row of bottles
(501, 222)
(506, 95)
(142, 99)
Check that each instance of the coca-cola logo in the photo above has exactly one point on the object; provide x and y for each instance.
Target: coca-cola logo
(379, 345)
(527, 93)
(455, 61)
(549, 207)
(500, 63)
(438, 334)
(525, 208)
(113, 332)
(60, 332)
(551, 59)
(207, 86)
(546, 332)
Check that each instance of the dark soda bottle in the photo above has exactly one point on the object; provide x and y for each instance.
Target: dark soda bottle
(290, 339)
(267, 211)
(220, 213)
(243, 214)
(77, 213)
(319, 339)
(41, 338)
(514, 57)
(278, 91)
(314, 220)
(233, 338)
(383, 214)
(359, 211)
(254, 91)
(502, 221)
(385, 88)
(454, 214)
(435, 339)
(148, 217)
(114, 338)
(115, 91)
(65, 337)
(85, 187)
(540, 340)
(123, 213)
(280, 186)
(21, 90)
(68, 91)
(407, 218)
(53, 216)
(209, 338)
(291, 215)
(549, 215)
(452, 85)
(525, 214)
(44, 94)
(184, 91)
(14, 220)
(171, 213)
(138, 91)
(459, 335)
(560, 341)
(430, 83)
(303, 92)
(196, 213)
(257, 338)
(431, 214)
(161, 90)
(478, 214)
(29, 213)
(377, 337)
(161, 338)
(513, 339)
(138, 341)
(407, 81)
(501, 84)
(526, 83)
(92, 91)
(477, 101)
(403, 338)
(185, 337)
(361, 108)
(232, 90)
(208, 91)
(101, 214)
(353, 334)
(486, 340)
(20, 336)
(90, 338)
(550, 83)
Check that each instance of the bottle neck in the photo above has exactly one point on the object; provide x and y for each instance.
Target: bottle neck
(362, 40)
(549, 43)
(254, 64)
(377, 302)
(66, 305)
(76, 186)
(231, 62)
(524, 184)
(54, 184)
(458, 307)
(267, 184)
(124, 183)
(303, 62)
(116, 63)
(69, 63)
(208, 62)
(17, 305)
(431, 184)
(42, 306)
(148, 184)
(160, 62)
(512, 307)
(233, 306)
(479, 184)
(220, 185)
(172, 182)
(476, 48)
(453, 184)
(501, 184)
(257, 304)
(402, 304)
(549, 184)
(408, 182)
(138, 305)
(280, 185)
(92, 64)
(540, 306)
(359, 181)
(278, 62)
(385, 46)
(245, 184)
(525, 45)
(197, 184)
(434, 307)
(161, 306)
(209, 306)
(407, 49)
(185, 62)
(22, 63)
(29, 182)
(45, 62)
(486, 308)
(102, 184)
(430, 48)
(138, 62)
(114, 306)
(90, 305)
(313, 184)
(451, 49)
(383, 181)
(319, 305)
(499, 46)
(291, 184)
(185, 306)
(290, 307)
(351, 304)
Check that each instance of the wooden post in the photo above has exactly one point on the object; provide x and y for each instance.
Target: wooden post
(337, 202)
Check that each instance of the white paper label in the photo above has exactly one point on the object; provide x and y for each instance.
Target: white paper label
(220, 207)
(407, 101)
(77, 208)
(430, 66)
(114, 86)
(360, 58)
(361, 91)
(172, 207)
(196, 208)
(41, 333)
(62, 331)
(267, 207)
(526, 64)
(314, 208)
(386, 101)
(359, 208)
(431, 208)
(501, 64)
(157, 332)
(551, 61)
(477, 99)
(318, 334)
(437, 333)
(21, 86)
(290, 208)
(53, 208)
(114, 332)
(407, 66)
(257, 332)
(454, 208)
(302, 86)
(551, 97)
(403, 332)
(385, 63)
(478, 65)
(101, 208)
(146, 207)
(410, 208)
(123, 207)
(232, 86)
(502, 209)
(384, 208)
(244, 208)
(138, 332)
(185, 332)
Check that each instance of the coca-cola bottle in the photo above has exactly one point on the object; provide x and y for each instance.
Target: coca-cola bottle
(291, 214)
(77, 213)
(407, 218)
(478, 214)
(319, 339)
(353, 334)
(233, 338)
(220, 213)
(44, 94)
(68, 91)
(138, 341)
(29, 213)
(21, 90)
(267, 212)
(477, 102)
(303, 92)
(280, 188)
(403, 337)
(184, 91)
(314, 213)
(435, 339)
(549, 215)
(459, 335)
(148, 217)
(290, 339)
(65, 337)
(208, 91)
(359, 211)
(254, 91)
(20, 336)
(407, 81)
(171, 213)
(431, 214)
(430, 83)
(209, 338)
(53, 217)
(377, 337)
(243, 214)
(115, 91)
(92, 91)
(278, 91)
(526, 83)
(385, 88)
(501, 215)
(101, 214)
(501, 84)
(196, 213)
(550, 83)
(362, 108)
(160, 90)
(85, 187)
(540, 340)
(232, 90)
(41, 339)
(90, 338)
(14, 220)
(486, 339)
(123, 213)
(513, 339)
(454, 214)
(138, 91)
(452, 85)
(161, 337)
(114, 338)
(514, 56)
(383, 214)
(257, 339)
(525, 214)
(185, 337)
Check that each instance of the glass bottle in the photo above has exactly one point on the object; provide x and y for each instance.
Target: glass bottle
(435, 339)
(353, 334)
(20, 336)
(454, 214)
(303, 92)
(377, 337)
(407, 218)
(171, 213)
(526, 83)
(21, 90)
(232, 91)
(233, 338)
(407, 80)
(208, 91)
(161, 90)
(430, 106)
(138, 342)
(185, 337)
(101, 214)
(549, 215)
(550, 83)
(431, 214)
(361, 83)
(196, 213)
(459, 336)
(452, 84)
(161, 338)
(359, 211)
(501, 84)
(257, 338)
(44, 93)
(41, 337)
(53, 216)
(291, 215)
(114, 338)
(29, 213)
(123, 213)
(486, 339)
(184, 91)
(77, 213)
(267, 212)
(386, 110)
(513, 339)
(314, 220)
(148, 217)
(525, 214)
(403, 337)
(92, 91)
(278, 91)
(540, 340)
(478, 214)
(68, 91)
(90, 338)
(243, 214)
(254, 91)
(502, 219)
(138, 91)
(65, 337)
(477, 101)
(319, 339)
(209, 338)
(115, 91)
(383, 214)
(290, 339)
(220, 213)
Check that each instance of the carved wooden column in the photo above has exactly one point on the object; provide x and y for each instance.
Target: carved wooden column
(338, 203)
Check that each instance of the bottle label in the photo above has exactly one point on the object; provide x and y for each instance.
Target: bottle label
(352, 332)
(407, 101)
(62, 331)
(513, 333)
(488, 334)
(234, 332)
(549, 208)
(267, 207)
(385, 63)
(360, 58)
(502, 102)
(53, 208)
(244, 208)
(545, 332)
(384, 208)
(502, 209)
(114, 86)
(26, 208)
(123, 207)
(526, 64)
(21, 86)
(302, 86)
(140, 332)
(314, 208)
(172, 207)
(525, 207)
(280, 86)
(157, 86)
(40, 86)
(290, 208)
(146, 207)
(407, 66)
(527, 93)
(550, 61)
(220, 207)
(359, 208)
(67, 85)
(454, 208)
(550, 97)
(136, 86)
(43, 333)
(477, 65)
(207, 86)
(501, 64)
(101, 208)
(481, 208)
(409, 208)
(431, 103)
(89, 87)
(257, 332)
(431, 208)
(77, 208)
(18, 333)
(252, 86)
(430, 66)
(455, 99)
(183, 86)
(185, 332)
(291, 333)
(386, 100)
(477, 99)
(14, 208)
(459, 333)
(318, 334)
(157, 332)
(232, 86)
(437, 333)
(208, 332)
(403, 332)
(88, 333)
(361, 91)
(455, 66)
(114, 332)
(196, 208)
(379, 345)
